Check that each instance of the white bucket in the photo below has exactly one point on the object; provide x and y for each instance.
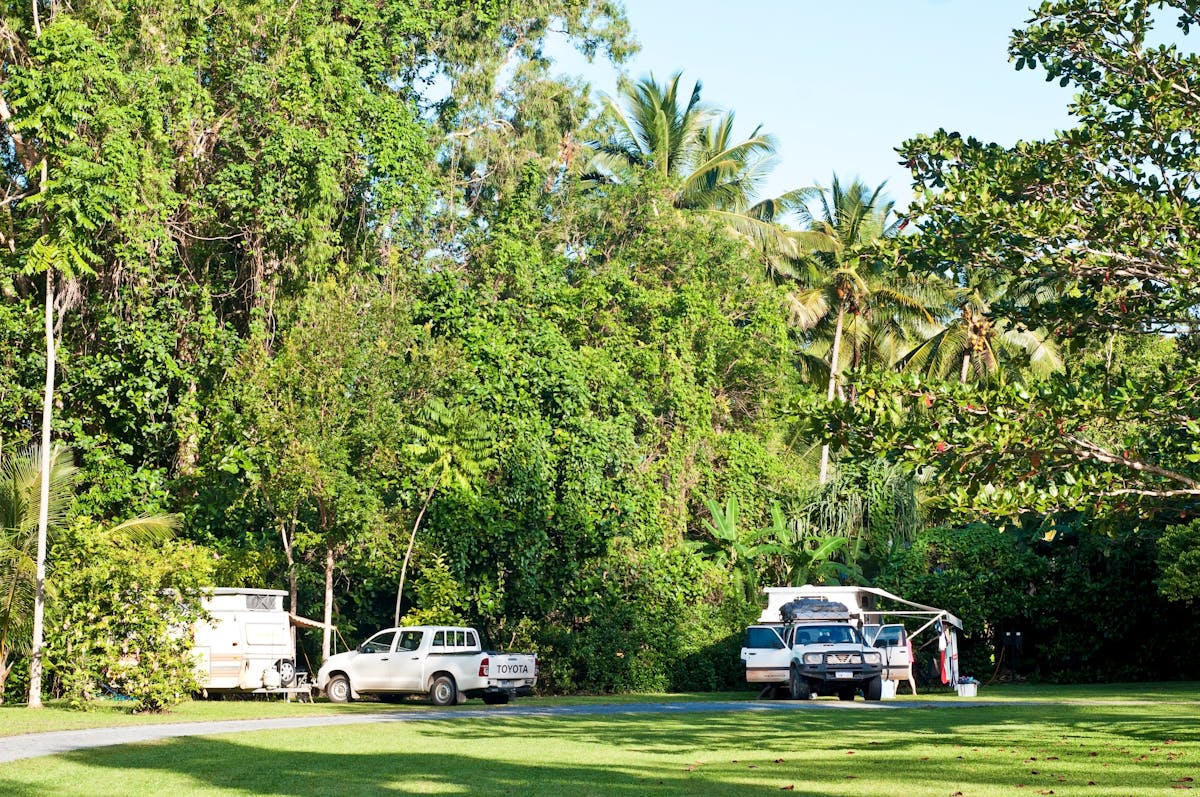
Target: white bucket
(889, 690)
(967, 690)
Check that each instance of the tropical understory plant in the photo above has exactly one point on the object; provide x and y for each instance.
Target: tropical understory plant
(20, 493)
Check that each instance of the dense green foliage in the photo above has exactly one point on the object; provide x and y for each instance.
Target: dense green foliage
(126, 626)
(393, 316)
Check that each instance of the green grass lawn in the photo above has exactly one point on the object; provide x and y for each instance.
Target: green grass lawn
(1097, 743)
(17, 719)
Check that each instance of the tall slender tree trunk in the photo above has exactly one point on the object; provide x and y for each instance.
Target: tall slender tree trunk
(834, 355)
(327, 631)
(408, 554)
(39, 596)
(966, 368)
(293, 588)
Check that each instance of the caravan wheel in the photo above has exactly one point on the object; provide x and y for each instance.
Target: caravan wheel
(287, 672)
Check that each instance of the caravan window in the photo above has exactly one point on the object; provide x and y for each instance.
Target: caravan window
(261, 603)
(439, 639)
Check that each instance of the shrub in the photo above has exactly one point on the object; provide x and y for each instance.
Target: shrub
(121, 616)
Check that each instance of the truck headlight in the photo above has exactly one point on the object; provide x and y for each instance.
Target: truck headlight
(872, 658)
(812, 658)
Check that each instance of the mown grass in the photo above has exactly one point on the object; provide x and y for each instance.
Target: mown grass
(55, 716)
(1006, 748)
(16, 719)
(1129, 740)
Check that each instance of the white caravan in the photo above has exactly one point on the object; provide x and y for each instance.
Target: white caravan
(246, 644)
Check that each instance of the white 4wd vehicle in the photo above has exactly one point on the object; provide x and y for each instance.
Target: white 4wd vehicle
(815, 651)
(447, 663)
(833, 659)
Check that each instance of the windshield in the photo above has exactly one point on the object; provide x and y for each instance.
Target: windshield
(826, 635)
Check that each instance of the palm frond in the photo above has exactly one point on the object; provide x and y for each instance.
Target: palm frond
(148, 529)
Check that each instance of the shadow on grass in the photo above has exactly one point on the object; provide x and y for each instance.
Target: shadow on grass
(896, 729)
(831, 752)
(207, 764)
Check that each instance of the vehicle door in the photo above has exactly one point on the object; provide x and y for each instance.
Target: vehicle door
(892, 641)
(767, 653)
(406, 673)
(373, 662)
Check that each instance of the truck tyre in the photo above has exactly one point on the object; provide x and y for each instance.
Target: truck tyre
(798, 686)
(338, 689)
(443, 691)
(846, 693)
(495, 698)
(873, 690)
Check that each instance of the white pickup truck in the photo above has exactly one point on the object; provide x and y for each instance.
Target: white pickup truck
(445, 662)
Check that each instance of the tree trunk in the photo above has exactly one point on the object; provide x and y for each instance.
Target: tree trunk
(408, 554)
(293, 589)
(966, 367)
(327, 631)
(834, 354)
(5, 668)
(39, 595)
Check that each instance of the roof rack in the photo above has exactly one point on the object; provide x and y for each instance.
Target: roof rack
(802, 609)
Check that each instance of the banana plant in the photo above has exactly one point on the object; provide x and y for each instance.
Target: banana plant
(739, 552)
(803, 557)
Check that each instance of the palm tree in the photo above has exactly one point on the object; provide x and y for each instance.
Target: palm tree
(973, 342)
(849, 291)
(803, 555)
(20, 510)
(691, 147)
(732, 548)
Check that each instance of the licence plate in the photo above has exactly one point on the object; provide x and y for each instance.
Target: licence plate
(506, 683)
(843, 674)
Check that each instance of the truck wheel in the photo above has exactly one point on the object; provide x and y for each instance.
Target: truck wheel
(443, 692)
(495, 698)
(338, 689)
(798, 686)
(287, 672)
(873, 690)
(846, 693)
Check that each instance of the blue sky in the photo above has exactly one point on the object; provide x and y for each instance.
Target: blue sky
(841, 84)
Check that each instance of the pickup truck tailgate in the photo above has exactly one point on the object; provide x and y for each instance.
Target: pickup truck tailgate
(509, 670)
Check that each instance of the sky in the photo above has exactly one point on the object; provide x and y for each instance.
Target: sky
(842, 83)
